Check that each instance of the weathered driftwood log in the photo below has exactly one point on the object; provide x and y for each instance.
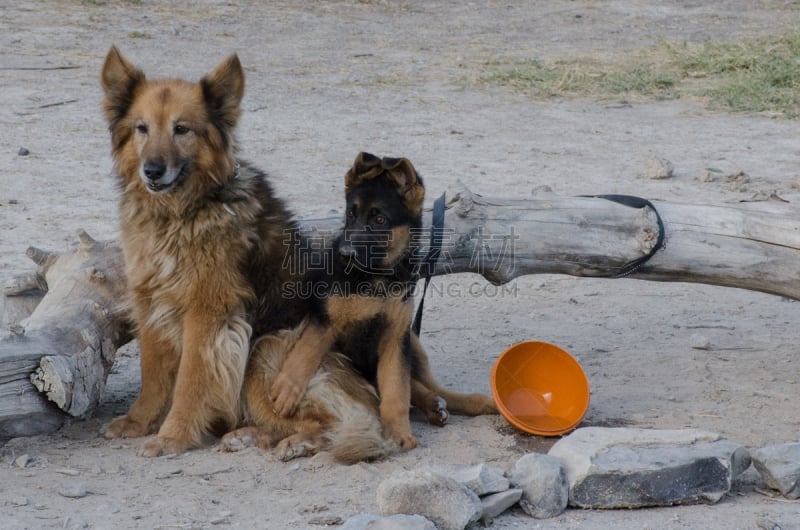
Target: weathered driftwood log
(750, 245)
(57, 359)
(66, 347)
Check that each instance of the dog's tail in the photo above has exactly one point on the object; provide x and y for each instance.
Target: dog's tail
(352, 404)
(357, 438)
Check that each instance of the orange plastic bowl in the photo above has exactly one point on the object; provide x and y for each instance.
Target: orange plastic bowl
(540, 388)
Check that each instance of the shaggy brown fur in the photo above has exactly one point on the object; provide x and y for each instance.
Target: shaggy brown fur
(338, 412)
(204, 241)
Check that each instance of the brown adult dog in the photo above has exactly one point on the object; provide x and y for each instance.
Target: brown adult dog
(203, 240)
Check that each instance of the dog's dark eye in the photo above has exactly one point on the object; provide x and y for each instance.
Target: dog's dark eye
(351, 213)
(142, 128)
(180, 129)
(379, 219)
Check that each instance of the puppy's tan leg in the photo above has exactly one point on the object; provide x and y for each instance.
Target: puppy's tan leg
(159, 362)
(209, 381)
(291, 437)
(265, 427)
(463, 404)
(300, 365)
(394, 387)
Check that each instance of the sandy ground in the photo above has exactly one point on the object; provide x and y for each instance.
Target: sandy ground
(328, 79)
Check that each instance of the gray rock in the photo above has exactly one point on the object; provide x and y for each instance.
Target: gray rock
(366, 521)
(17, 501)
(700, 342)
(779, 466)
(22, 461)
(543, 481)
(657, 168)
(768, 524)
(633, 468)
(74, 490)
(222, 518)
(497, 503)
(441, 499)
(74, 523)
(325, 520)
(480, 478)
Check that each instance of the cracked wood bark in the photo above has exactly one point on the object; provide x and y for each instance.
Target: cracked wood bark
(66, 347)
(752, 245)
(54, 363)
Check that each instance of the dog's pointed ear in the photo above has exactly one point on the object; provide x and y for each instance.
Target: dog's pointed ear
(119, 79)
(405, 177)
(223, 90)
(366, 166)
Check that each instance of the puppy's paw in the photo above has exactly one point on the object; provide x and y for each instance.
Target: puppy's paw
(407, 442)
(160, 445)
(437, 412)
(401, 436)
(286, 394)
(126, 427)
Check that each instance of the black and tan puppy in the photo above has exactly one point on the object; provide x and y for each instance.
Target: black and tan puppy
(366, 309)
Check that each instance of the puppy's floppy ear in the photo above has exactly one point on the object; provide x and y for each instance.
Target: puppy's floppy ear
(223, 90)
(366, 166)
(119, 79)
(408, 183)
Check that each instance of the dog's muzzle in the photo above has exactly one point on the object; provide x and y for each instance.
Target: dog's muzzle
(347, 251)
(158, 177)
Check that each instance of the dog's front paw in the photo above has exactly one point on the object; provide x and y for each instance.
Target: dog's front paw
(286, 395)
(437, 412)
(289, 449)
(160, 445)
(401, 437)
(126, 427)
(238, 440)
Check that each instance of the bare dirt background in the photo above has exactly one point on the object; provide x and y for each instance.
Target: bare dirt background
(327, 79)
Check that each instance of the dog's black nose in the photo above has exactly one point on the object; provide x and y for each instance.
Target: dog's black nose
(347, 251)
(154, 170)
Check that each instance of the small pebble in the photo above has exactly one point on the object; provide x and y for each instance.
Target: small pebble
(170, 474)
(74, 524)
(657, 168)
(700, 342)
(73, 490)
(22, 461)
(18, 501)
(23, 151)
(767, 524)
(326, 520)
(221, 518)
